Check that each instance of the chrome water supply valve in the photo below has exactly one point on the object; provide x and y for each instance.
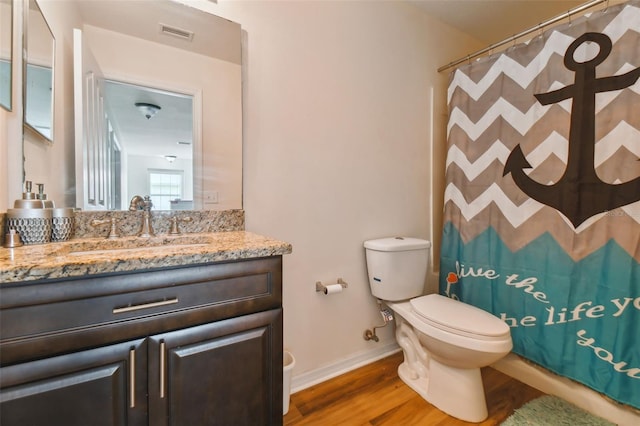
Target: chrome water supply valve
(387, 316)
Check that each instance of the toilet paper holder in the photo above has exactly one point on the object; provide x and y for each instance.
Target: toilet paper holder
(322, 287)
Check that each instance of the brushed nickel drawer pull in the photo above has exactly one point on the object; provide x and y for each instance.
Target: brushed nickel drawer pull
(162, 367)
(132, 378)
(131, 308)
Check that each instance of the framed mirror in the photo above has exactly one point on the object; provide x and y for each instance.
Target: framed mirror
(38, 73)
(6, 53)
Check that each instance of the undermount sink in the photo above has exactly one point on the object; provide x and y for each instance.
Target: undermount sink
(95, 247)
(138, 248)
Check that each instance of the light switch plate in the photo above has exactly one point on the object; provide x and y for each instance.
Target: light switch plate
(211, 197)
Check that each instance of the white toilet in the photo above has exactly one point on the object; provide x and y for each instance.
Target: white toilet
(445, 342)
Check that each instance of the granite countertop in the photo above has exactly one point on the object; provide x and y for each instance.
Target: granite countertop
(90, 256)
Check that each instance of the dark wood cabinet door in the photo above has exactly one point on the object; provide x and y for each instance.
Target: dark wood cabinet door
(224, 373)
(103, 386)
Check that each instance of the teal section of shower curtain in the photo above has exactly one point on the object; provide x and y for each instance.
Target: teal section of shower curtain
(542, 197)
(578, 319)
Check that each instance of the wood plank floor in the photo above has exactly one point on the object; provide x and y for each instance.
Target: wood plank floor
(374, 395)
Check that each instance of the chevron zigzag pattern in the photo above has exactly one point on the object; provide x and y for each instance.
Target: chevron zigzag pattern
(557, 43)
(482, 134)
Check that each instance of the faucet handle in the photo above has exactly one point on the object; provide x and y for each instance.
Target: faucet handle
(174, 224)
(113, 232)
(147, 203)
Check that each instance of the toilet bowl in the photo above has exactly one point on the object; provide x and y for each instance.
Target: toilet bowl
(442, 361)
(445, 342)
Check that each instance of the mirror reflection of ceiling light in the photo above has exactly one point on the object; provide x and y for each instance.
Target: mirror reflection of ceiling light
(170, 158)
(148, 110)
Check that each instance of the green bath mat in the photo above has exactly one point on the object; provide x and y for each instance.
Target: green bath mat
(552, 411)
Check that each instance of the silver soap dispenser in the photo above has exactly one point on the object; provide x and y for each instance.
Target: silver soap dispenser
(48, 204)
(29, 218)
(29, 199)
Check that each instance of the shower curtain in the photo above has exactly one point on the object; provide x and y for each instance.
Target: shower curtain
(542, 198)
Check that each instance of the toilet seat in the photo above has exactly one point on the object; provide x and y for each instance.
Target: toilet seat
(458, 318)
(449, 335)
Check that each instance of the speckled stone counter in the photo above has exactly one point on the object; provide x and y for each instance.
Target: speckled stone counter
(129, 222)
(89, 256)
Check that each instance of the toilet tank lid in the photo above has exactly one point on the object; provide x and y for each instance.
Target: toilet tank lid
(397, 244)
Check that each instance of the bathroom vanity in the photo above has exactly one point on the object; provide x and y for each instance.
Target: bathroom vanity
(171, 334)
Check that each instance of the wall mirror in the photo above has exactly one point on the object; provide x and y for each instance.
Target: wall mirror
(6, 52)
(159, 102)
(181, 65)
(38, 73)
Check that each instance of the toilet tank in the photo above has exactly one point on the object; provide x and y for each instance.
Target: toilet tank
(397, 267)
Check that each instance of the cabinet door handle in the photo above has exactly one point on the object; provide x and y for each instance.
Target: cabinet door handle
(163, 362)
(132, 378)
(148, 305)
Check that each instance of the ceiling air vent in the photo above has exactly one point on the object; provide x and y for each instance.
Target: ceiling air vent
(176, 32)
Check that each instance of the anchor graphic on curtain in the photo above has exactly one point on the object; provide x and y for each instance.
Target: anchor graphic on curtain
(580, 193)
(534, 245)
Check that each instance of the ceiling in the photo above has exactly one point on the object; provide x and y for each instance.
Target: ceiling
(491, 21)
(169, 132)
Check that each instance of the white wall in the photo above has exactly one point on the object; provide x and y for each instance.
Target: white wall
(338, 125)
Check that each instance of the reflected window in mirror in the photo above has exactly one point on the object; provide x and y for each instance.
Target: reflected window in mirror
(166, 189)
(38, 87)
(6, 52)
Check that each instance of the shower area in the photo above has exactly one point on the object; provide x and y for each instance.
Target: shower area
(542, 203)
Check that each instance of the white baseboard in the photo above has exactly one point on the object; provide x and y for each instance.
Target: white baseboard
(319, 375)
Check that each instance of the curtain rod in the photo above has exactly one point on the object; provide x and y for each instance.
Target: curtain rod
(514, 37)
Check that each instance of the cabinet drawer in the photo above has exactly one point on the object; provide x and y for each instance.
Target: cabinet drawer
(136, 302)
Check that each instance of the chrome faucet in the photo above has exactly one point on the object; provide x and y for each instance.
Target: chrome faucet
(144, 204)
(137, 203)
